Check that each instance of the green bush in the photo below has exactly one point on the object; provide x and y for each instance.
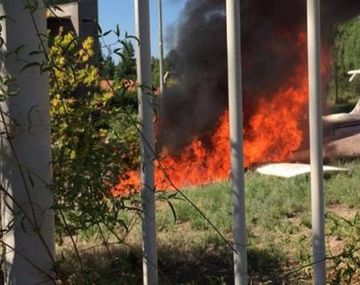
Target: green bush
(346, 57)
(94, 138)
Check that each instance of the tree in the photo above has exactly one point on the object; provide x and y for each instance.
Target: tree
(126, 69)
(108, 68)
(155, 69)
(346, 57)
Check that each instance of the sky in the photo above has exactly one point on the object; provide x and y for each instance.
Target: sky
(121, 12)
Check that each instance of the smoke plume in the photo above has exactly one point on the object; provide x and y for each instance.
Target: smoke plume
(270, 30)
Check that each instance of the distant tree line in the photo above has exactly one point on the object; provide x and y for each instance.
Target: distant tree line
(345, 57)
(126, 67)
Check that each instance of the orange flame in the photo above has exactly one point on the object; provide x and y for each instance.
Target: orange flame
(272, 134)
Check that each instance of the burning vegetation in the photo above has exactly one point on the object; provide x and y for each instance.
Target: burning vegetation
(192, 134)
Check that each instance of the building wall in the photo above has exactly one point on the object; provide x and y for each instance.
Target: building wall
(58, 18)
(83, 15)
(88, 19)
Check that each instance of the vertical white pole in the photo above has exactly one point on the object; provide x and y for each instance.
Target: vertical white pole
(143, 60)
(316, 156)
(26, 156)
(161, 49)
(236, 139)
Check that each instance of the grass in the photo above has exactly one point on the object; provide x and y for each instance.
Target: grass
(278, 228)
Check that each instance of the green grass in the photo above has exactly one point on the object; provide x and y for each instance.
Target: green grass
(278, 228)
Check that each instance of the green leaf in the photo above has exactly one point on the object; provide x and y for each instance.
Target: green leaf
(132, 37)
(172, 210)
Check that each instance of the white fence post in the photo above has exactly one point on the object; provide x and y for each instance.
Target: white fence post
(316, 147)
(236, 139)
(143, 59)
(26, 156)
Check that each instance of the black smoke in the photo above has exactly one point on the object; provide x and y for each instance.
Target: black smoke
(270, 31)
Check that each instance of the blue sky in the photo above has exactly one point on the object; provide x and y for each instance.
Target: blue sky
(121, 12)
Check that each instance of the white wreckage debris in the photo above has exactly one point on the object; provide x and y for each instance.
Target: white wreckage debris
(288, 170)
(353, 74)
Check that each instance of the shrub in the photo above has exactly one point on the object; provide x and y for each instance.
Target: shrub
(93, 137)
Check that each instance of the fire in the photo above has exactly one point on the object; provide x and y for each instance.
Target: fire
(272, 134)
(196, 165)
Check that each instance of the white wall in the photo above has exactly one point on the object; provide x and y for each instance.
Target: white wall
(30, 241)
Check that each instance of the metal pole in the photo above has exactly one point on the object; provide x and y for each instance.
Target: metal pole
(316, 155)
(143, 61)
(161, 49)
(26, 206)
(236, 139)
